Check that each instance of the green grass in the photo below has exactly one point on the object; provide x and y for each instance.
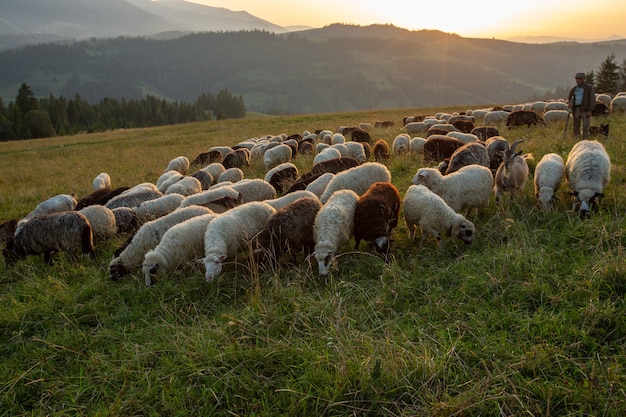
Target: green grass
(528, 320)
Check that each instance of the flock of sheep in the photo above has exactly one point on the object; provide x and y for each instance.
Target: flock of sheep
(214, 214)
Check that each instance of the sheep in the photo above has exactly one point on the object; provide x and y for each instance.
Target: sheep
(319, 184)
(618, 104)
(439, 147)
(332, 166)
(159, 207)
(555, 105)
(468, 154)
(400, 145)
(538, 107)
(231, 174)
(102, 221)
(338, 138)
(180, 164)
(205, 198)
(588, 171)
(362, 135)
(56, 204)
(208, 157)
(326, 154)
(237, 158)
(416, 146)
(181, 244)
(496, 146)
(147, 237)
(440, 129)
(132, 199)
(463, 137)
(7, 230)
(356, 150)
(381, 150)
(416, 128)
(333, 227)
(357, 179)
(523, 117)
(485, 132)
(383, 124)
(282, 176)
(289, 229)
(276, 156)
(223, 150)
(101, 197)
(232, 231)
(496, 116)
(512, 173)
(102, 180)
(254, 190)
(425, 209)
(555, 116)
(468, 188)
(376, 215)
(548, 176)
(281, 202)
(186, 186)
(46, 234)
(604, 99)
(126, 220)
(205, 178)
(168, 178)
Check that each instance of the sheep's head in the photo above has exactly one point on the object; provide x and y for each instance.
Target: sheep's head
(325, 259)
(545, 197)
(383, 246)
(587, 199)
(213, 264)
(463, 229)
(117, 269)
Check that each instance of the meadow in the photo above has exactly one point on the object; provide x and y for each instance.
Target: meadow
(528, 320)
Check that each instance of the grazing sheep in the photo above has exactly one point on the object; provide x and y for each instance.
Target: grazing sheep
(101, 197)
(7, 230)
(102, 221)
(180, 164)
(439, 147)
(548, 175)
(57, 204)
(496, 116)
(383, 124)
(463, 137)
(168, 178)
(618, 104)
(289, 230)
(231, 232)
(338, 138)
(523, 117)
(186, 186)
(356, 150)
(180, 245)
(326, 154)
(332, 166)
(205, 198)
(236, 159)
(416, 128)
(254, 190)
(319, 184)
(468, 188)
(416, 146)
(555, 105)
(47, 234)
(376, 215)
(400, 145)
(102, 180)
(282, 176)
(147, 237)
(485, 132)
(281, 202)
(512, 173)
(555, 116)
(159, 207)
(231, 175)
(215, 169)
(425, 209)
(205, 178)
(205, 158)
(333, 227)
(496, 146)
(276, 156)
(131, 198)
(126, 220)
(381, 150)
(361, 136)
(357, 179)
(588, 171)
(468, 154)
(440, 129)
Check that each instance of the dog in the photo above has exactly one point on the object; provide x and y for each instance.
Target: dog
(601, 130)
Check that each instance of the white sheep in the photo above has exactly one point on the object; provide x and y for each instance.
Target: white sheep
(231, 174)
(168, 178)
(276, 156)
(555, 105)
(337, 138)
(416, 128)
(416, 146)
(425, 209)
(320, 146)
(182, 244)
(400, 145)
(358, 179)
(618, 104)
(215, 169)
(548, 176)
(289, 198)
(254, 189)
(102, 180)
(180, 164)
(56, 204)
(326, 154)
(555, 116)
(212, 194)
(333, 227)
(318, 186)
(186, 186)
(496, 117)
(231, 232)
(102, 220)
(588, 171)
(159, 207)
(342, 148)
(604, 99)
(147, 237)
(463, 137)
(356, 151)
(468, 188)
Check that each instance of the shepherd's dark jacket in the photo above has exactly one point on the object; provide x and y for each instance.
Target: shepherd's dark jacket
(589, 98)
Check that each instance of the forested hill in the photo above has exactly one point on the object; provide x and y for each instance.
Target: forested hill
(337, 68)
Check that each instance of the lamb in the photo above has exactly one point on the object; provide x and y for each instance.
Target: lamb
(276, 156)
(102, 221)
(400, 145)
(512, 173)
(588, 171)
(468, 188)
(231, 175)
(381, 150)
(186, 186)
(376, 215)
(236, 159)
(101, 197)
(102, 180)
(282, 176)
(357, 179)
(548, 176)
(46, 234)
(181, 244)
(425, 209)
(468, 154)
(232, 231)
(180, 164)
(254, 190)
(281, 202)
(159, 207)
(147, 237)
(290, 229)
(333, 227)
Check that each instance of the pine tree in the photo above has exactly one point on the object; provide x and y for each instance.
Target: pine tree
(608, 78)
(622, 76)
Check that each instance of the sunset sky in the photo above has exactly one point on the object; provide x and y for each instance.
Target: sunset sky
(582, 19)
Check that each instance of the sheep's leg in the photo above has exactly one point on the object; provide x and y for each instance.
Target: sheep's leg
(47, 256)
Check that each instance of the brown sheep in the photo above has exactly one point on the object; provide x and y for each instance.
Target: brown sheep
(464, 126)
(237, 158)
(101, 197)
(376, 215)
(206, 158)
(384, 124)
(485, 132)
(496, 146)
(333, 166)
(360, 135)
(439, 147)
(523, 117)
(381, 150)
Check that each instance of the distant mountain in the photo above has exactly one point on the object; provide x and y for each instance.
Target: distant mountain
(550, 39)
(32, 21)
(335, 68)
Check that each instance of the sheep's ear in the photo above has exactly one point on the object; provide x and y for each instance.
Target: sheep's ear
(574, 193)
(222, 258)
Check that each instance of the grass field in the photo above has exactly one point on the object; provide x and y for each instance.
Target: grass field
(528, 320)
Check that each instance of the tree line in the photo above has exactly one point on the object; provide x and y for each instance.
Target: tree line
(29, 117)
(610, 78)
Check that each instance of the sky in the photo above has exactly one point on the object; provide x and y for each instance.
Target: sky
(501, 19)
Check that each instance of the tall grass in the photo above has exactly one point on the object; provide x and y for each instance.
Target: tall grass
(528, 320)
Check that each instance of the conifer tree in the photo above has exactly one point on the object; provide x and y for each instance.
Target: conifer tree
(608, 78)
